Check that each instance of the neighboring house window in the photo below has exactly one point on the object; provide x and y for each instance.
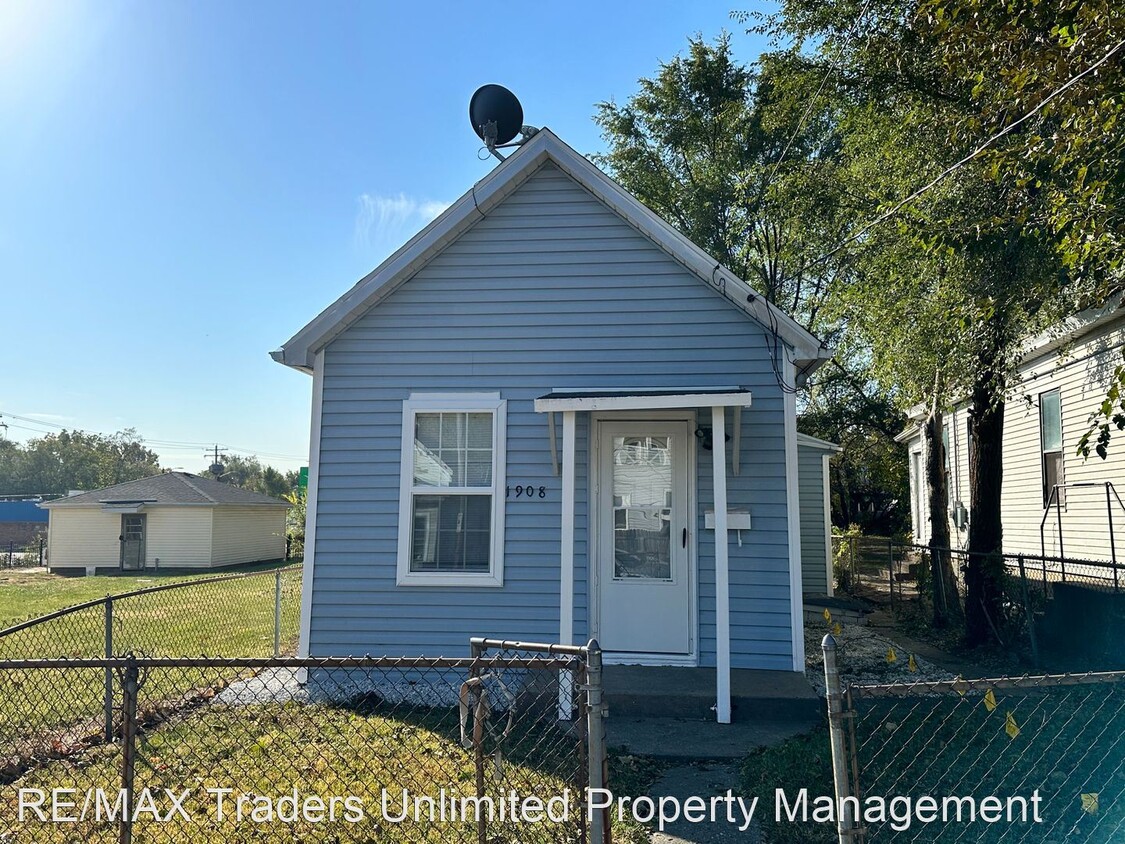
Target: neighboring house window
(451, 516)
(1050, 440)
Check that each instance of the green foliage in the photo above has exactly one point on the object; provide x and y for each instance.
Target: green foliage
(56, 463)
(1109, 416)
(249, 473)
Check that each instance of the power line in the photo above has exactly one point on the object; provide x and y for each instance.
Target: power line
(948, 171)
(164, 445)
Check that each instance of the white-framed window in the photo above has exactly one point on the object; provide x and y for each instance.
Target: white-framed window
(1050, 443)
(451, 502)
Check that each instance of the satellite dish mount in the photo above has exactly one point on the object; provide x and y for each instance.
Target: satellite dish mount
(497, 117)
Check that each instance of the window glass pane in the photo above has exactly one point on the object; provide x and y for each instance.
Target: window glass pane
(453, 449)
(452, 533)
(1050, 421)
(642, 483)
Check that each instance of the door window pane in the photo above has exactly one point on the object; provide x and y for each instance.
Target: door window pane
(642, 513)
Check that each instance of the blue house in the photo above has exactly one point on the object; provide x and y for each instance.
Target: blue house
(550, 417)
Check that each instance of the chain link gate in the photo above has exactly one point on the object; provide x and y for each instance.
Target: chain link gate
(496, 747)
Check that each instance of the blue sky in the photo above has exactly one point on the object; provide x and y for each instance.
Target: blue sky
(184, 185)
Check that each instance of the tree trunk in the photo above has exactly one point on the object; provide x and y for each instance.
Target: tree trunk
(984, 577)
(947, 602)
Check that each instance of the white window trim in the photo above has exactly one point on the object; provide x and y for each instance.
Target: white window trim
(452, 403)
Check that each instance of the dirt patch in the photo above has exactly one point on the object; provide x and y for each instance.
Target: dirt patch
(866, 656)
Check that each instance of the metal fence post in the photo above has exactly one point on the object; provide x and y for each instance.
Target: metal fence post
(476, 651)
(109, 671)
(1027, 609)
(42, 544)
(595, 731)
(130, 683)
(845, 825)
(277, 614)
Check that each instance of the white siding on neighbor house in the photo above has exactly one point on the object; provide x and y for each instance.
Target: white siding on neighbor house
(247, 535)
(81, 537)
(814, 554)
(551, 289)
(177, 537)
(1081, 373)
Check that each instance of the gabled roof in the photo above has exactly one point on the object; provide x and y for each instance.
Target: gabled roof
(176, 488)
(301, 349)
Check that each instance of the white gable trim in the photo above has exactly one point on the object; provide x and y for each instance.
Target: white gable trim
(299, 351)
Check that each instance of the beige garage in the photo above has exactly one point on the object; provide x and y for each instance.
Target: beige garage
(170, 521)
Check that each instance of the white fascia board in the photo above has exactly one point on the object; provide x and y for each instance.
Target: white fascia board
(492, 189)
(643, 402)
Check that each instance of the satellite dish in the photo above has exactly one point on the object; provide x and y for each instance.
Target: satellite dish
(496, 115)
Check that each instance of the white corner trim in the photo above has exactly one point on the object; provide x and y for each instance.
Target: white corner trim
(566, 578)
(311, 494)
(792, 513)
(722, 566)
(453, 403)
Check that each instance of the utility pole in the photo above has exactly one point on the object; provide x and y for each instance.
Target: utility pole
(216, 467)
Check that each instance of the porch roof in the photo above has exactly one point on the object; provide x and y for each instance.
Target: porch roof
(642, 399)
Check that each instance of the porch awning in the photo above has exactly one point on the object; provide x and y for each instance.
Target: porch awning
(661, 399)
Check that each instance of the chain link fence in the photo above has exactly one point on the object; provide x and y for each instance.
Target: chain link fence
(497, 747)
(1061, 604)
(1028, 759)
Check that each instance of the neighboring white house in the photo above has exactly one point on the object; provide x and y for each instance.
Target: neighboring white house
(169, 521)
(1062, 379)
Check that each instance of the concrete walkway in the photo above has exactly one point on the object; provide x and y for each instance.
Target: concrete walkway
(692, 740)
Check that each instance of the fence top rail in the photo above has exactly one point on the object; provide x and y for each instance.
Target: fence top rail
(481, 644)
(961, 686)
(1011, 558)
(97, 602)
(559, 663)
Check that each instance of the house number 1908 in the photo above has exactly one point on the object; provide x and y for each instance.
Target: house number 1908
(528, 491)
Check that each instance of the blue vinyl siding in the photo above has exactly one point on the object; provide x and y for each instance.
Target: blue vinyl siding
(552, 289)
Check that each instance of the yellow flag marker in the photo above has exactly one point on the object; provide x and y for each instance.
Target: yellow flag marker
(837, 629)
(960, 685)
(892, 657)
(827, 615)
(1090, 803)
(912, 665)
(990, 700)
(1010, 726)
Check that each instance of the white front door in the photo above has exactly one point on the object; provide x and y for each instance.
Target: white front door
(643, 541)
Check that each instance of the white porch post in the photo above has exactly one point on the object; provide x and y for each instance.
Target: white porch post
(722, 568)
(566, 563)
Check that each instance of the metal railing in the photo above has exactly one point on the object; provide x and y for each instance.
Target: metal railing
(494, 747)
(1056, 500)
(1010, 759)
(22, 555)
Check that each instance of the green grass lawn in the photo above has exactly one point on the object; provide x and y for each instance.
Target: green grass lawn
(325, 751)
(230, 618)
(28, 594)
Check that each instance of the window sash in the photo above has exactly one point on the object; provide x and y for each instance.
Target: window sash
(484, 403)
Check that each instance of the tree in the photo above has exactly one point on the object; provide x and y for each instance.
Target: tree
(903, 110)
(732, 158)
(250, 473)
(56, 463)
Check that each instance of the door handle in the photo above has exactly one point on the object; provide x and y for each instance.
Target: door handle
(684, 539)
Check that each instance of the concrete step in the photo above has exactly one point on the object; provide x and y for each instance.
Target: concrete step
(689, 693)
